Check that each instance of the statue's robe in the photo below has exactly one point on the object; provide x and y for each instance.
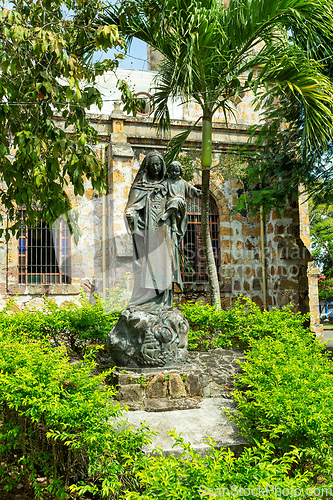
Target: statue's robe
(155, 256)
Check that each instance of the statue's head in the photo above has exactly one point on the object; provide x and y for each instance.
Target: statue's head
(175, 170)
(152, 168)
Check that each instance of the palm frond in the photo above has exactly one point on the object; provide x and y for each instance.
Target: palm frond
(301, 81)
(176, 144)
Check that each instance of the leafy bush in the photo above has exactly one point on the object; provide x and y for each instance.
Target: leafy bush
(285, 396)
(200, 340)
(74, 324)
(117, 297)
(216, 475)
(16, 321)
(325, 287)
(77, 325)
(211, 327)
(59, 423)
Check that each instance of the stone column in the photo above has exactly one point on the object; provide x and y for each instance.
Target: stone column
(154, 59)
(120, 178)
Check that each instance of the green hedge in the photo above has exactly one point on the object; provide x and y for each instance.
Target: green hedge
(285, 396)
(74, 324)
(211, 327)
(254, 474)
(60, 423)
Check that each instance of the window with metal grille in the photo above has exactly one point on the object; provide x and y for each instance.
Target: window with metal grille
(43, 254)
(194, 262)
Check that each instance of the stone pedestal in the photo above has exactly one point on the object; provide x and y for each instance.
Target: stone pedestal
(144, 338)
(151, 390)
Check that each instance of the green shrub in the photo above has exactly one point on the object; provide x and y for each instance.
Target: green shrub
(199, 340)
(285, 396)
(218, 474)
(116, 298)
(60, 423)
(74, 324)
(211, 327)
(17, 322)
(77, 325)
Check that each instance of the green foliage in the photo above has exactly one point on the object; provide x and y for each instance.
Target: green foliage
(325, 288)
(142, 381)
(59, 423)
(132, 104)
(321, 230)
(211, 327)
(77, 325)
(231, 166)
(192, 476)
(200, 340)
(44, 73)
(116, 297)
(285, 396)
(189, 163)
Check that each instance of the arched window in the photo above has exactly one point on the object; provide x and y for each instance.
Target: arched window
(43, 253)
(194, 267)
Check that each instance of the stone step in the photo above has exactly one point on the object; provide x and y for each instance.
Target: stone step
(166, 389)
(195, 425)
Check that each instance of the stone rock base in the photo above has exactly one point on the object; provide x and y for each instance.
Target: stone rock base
(146, 338)
(161, 391)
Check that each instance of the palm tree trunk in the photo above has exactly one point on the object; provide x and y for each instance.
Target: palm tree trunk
(206, 160)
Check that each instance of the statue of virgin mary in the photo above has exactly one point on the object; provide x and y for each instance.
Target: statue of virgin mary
(155, 256)
(150, 332)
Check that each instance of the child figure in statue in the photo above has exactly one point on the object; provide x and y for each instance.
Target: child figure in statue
(178, 191)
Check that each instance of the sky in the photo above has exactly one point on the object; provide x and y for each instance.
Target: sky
(136, 57)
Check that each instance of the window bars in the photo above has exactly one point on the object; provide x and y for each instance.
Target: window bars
(194, 261)
(43, 253)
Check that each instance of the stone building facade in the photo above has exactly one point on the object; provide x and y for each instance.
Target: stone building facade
(265, 258)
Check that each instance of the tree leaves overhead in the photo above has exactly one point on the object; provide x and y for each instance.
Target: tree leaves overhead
(293, 145)
(44, 74)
